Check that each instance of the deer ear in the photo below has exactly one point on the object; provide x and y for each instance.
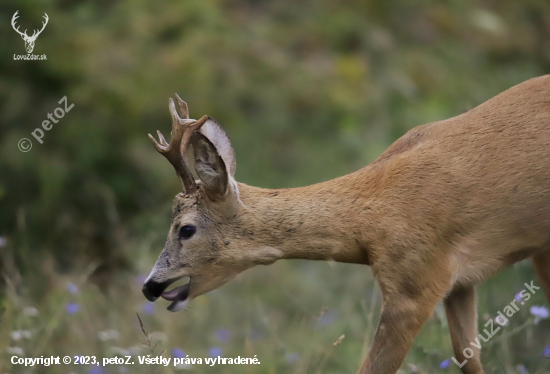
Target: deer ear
(214, 132)
(209, 165)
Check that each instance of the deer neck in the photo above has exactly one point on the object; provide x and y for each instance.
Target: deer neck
(325, 221)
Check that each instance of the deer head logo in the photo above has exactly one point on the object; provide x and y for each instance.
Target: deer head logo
(29, 40)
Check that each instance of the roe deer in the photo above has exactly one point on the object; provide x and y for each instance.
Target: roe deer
(446, 206)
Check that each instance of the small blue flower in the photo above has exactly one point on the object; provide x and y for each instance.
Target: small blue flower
(547, 351)
(71, 308)
(147, 307)
(96, 370)
(522, 369)
(71, 287)
(518, 297)
(292, 357)
(327, 318)
(539, 312)
(140, 279)
(444, 364)
(177, 353)
(215, 352)
(223, 335)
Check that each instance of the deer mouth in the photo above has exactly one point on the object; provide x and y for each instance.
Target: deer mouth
(179, 297)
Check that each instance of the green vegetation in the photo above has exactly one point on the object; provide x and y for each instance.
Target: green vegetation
(307, 91)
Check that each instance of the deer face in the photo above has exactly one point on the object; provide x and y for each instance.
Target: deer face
(209, 239)
(205, 243)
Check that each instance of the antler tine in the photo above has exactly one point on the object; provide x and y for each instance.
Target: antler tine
(176, 151)
(43, 25)
(13, 19)
(184, 109)
(161, 138)
(189, 126)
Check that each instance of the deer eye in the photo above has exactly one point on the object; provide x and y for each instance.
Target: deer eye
(187, 231)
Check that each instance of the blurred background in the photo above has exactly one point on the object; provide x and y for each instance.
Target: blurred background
(307, 91)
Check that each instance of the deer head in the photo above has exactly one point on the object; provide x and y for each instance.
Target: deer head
(29, 40)
(208, 240)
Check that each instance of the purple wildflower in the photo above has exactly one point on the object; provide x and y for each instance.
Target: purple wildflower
(223, 335)
(521, 369)
(71, 288)
(292, 357)
(140, 279)
(518, 297)
(215, 352)
(547, 351)
(96, 370)
(539, 312)
(177, 353)
(147, 307)
(327, 318)
(71, 308)
(445, 364)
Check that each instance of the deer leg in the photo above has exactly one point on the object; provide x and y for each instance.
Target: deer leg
(541, 263)
(460, 307)
(401, 319)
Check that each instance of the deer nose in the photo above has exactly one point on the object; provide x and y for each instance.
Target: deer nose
(153, 289)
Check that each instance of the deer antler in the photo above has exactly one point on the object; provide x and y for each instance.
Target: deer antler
(15, 16)
(35, 33)
(176, 151)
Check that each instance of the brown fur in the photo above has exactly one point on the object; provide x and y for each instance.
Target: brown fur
(447, 205)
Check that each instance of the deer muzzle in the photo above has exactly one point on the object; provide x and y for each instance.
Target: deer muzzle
(179, 296)
(152, 289)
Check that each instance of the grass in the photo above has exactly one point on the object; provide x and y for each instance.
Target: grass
(296, 317)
